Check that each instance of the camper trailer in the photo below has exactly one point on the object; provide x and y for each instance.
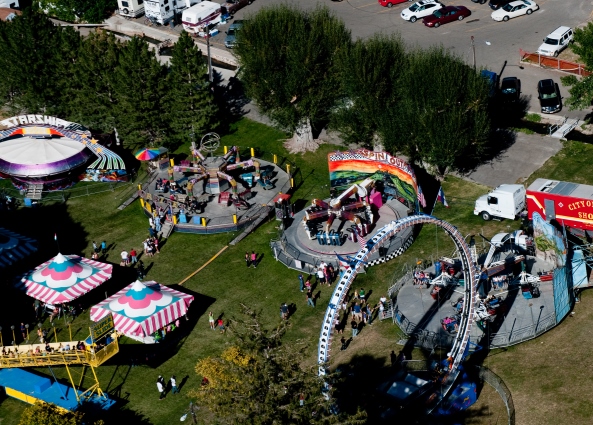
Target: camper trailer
(201, 15)
(11, 4)
(163, 11)
(130, 8)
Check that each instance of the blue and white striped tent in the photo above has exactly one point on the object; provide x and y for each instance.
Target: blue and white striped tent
(14, 247)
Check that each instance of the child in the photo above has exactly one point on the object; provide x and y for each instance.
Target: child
(211, 321)
(221, 326)
(344, 346)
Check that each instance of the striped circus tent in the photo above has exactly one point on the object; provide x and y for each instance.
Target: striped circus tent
(64, 278)
(140, 308)
(14, 247)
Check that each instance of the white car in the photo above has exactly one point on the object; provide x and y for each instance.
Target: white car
(514, 9)
(420, 10)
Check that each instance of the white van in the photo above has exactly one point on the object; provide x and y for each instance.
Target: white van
(506, 201)
(163, 11)
(198, 16)
(556, 41)
(130, 8)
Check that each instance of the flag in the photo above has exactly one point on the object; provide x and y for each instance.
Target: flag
(441, 197)
(421, 197)
(361, 241)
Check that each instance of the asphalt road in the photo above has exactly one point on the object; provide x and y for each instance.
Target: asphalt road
(495, 42)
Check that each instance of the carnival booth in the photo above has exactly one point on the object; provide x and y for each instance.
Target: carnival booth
(63, 279)
(14, 247)
(144, 311)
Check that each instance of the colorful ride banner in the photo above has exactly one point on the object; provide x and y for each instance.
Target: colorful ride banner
(350, 167)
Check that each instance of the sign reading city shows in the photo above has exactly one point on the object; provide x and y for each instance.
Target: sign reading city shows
(102, 327)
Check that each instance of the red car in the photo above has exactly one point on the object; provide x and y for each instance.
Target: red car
(390, 3)
(446, 14)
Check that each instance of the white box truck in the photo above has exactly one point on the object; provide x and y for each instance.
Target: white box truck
(506, 201)
(197, 17)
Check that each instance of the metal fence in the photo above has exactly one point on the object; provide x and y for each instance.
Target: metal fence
(500, 387)
(555, 63)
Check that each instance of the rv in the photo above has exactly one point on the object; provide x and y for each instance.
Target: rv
(163, 11)
(130, 8)
(11, 4)
(201, 15)
(506, 201)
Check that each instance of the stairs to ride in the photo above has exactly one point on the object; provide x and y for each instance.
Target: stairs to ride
(167, 229)
(34, 191)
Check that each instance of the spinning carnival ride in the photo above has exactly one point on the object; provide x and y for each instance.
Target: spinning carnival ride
(471, 275)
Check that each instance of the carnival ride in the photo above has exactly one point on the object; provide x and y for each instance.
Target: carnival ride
(37, 149)
(434, 392)
(345, 208)
(213, 170)
(100, 346)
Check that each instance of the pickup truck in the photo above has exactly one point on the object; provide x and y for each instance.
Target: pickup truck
(232, 6)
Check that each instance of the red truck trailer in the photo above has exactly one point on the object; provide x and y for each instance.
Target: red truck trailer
(570, 204)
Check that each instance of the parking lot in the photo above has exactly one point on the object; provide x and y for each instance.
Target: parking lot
(495, 42)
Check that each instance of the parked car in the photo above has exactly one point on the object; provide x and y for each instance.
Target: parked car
(420, 10)
(514, 10)
(549, 97)
(510, 89)
(556, 41)
(232, 6)
(445, 15)
(231, 34)
(497, 4)
(390, 3)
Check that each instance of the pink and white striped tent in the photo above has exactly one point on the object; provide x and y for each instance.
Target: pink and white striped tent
(65, 278)
(140, 308)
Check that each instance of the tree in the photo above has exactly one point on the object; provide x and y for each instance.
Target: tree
(29, 58)
(94, 102)
(93, 11)
(288, 66)
(369, 72)
(190, 103)
(581, 91)
(259, 381)
(139, 84)
(49, 414)
(442, 119)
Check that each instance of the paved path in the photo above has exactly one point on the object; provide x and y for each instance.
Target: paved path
(518, 162)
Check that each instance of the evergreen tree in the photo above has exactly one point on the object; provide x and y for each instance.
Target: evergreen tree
(94, 103)
(139, 84)
(93, 11)
(442, 118)
(369, 71)
(581, 90)
(69, 43)
(260, 381)
(30, 55)
(288, 67)
(190, 103)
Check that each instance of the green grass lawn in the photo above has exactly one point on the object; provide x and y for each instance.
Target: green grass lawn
(225, 283)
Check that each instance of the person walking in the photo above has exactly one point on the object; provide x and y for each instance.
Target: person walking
(344, 345)
(155, 242)
(301, 281)
(211, 321)
(247, 259)
(160, 387)
(310, 298)
(124, 258)
(95, 247)
(284, 311)
(133, 256)
(103, 247)
(174, 388)
(140, 270)
(254, 259)
(354, 326)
